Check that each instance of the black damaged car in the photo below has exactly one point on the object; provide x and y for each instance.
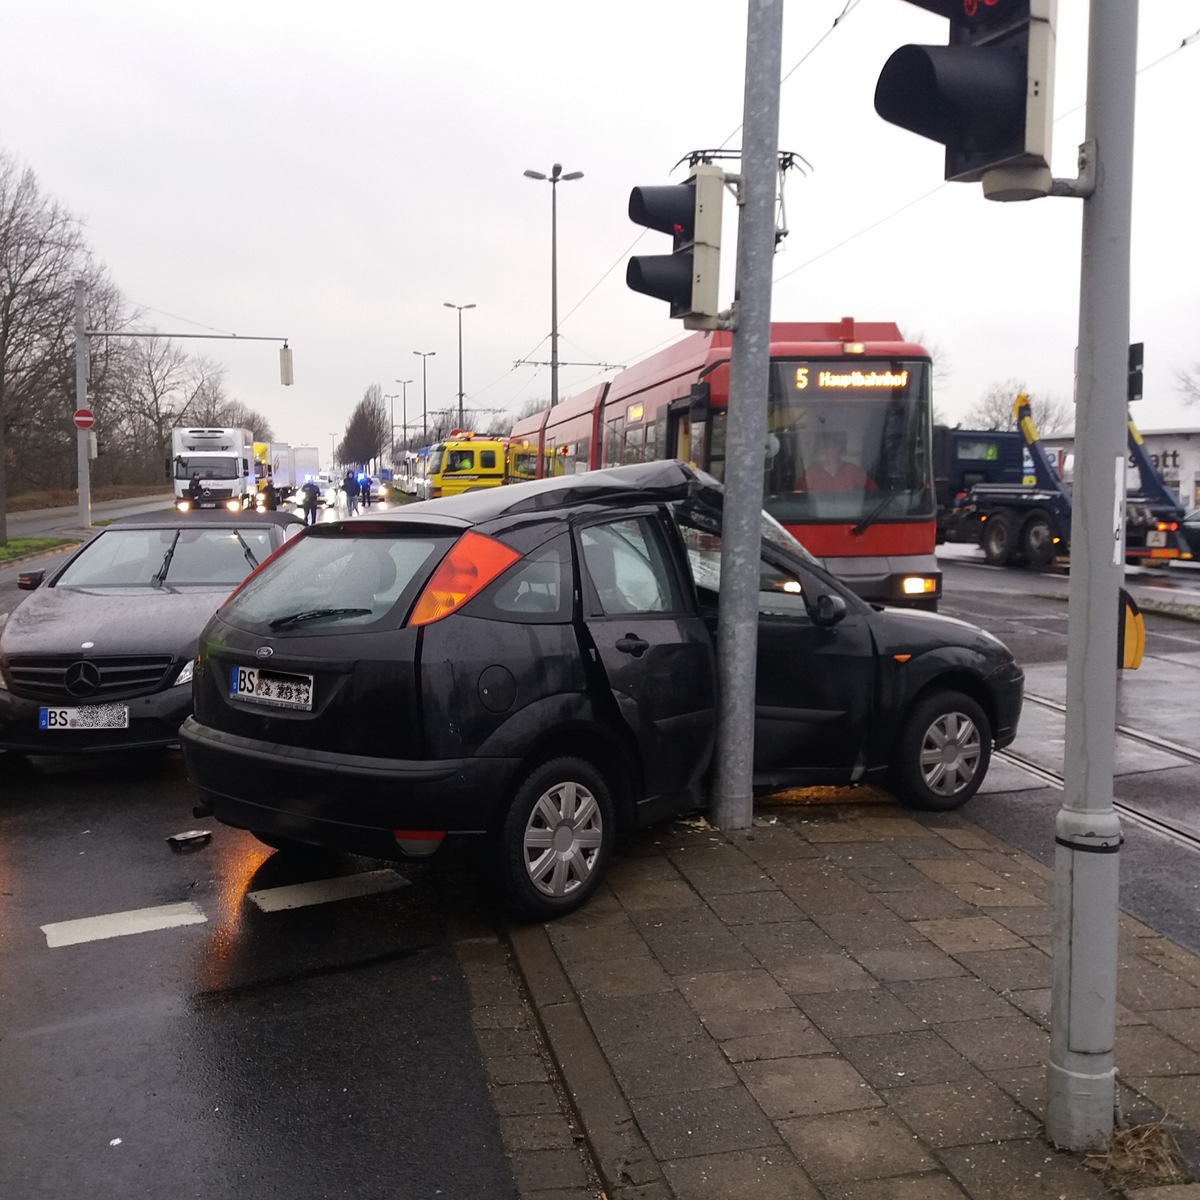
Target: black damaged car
(535, 665)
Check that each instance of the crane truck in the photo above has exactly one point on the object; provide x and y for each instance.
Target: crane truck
(1000, 490)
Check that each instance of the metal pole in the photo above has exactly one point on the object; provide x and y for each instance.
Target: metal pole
(460, 383)
(81, 401)
(1080, 1076)
(746, 433)
(425, 355)
(553, 290)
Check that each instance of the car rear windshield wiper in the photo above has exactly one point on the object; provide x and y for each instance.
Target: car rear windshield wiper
(317, 614)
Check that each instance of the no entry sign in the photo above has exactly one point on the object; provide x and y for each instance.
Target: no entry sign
(85, 418)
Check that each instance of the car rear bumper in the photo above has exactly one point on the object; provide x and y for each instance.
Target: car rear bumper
(343, 801)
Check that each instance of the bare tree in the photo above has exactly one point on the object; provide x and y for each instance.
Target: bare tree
(994, 410)
(369, 429)
(42, 252)
(1188, 382)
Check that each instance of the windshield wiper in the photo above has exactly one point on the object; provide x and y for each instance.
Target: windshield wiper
(246, 549)
(316, 614)
(161, 574)
(874, 514)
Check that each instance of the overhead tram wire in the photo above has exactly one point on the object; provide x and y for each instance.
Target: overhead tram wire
(1185, 42)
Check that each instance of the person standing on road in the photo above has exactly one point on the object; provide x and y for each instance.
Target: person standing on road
(310, 492)
(366, 491)
(195, 488)
(350, 487)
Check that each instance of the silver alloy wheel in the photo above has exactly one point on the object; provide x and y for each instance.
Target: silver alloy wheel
(950, 753)
(563, 838)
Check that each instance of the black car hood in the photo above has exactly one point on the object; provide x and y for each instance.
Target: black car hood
(133, 620)
(911, 630)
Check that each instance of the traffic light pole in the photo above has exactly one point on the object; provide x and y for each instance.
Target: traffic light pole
(84, 466)
(1081, 1076)
(746, 431)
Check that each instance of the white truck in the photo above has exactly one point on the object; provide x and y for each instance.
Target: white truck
(221, 461)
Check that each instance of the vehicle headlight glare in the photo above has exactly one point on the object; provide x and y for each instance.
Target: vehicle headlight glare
(917, 585)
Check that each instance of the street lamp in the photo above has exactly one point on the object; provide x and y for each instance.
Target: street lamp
(460, 308)
(332, 451)
(554, 177)
(425, 356)
(404, 413)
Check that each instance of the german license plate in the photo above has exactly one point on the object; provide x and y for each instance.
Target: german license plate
(90, 716)
(271, 687)
(1156, 537)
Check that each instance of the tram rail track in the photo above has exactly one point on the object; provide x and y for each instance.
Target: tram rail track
(1139, 816)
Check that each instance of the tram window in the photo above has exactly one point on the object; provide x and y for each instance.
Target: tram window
(634, 439)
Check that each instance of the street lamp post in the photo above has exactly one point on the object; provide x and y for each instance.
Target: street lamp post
(460, 308)
(554, 177)
(425, 356)
(404, 416)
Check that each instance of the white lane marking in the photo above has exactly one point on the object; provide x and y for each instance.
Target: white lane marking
(322, 891)
(111, 925)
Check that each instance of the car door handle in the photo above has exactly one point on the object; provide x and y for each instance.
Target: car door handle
(632, 644)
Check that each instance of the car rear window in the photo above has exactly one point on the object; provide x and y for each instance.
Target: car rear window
(345, 580)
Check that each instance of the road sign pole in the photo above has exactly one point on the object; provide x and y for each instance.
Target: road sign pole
(1081, 1076)
(81, 401)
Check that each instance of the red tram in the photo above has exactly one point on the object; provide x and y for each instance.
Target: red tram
(848, 466)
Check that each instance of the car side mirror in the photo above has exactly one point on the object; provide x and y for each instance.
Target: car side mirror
(28, 580)
(829, 610)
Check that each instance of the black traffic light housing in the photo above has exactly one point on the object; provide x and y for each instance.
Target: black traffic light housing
(986, 96)
(688, 277)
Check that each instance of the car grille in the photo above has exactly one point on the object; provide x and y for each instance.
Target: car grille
(63, 679)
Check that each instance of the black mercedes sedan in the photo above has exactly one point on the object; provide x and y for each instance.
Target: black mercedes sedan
(535, 665)
(100, 656)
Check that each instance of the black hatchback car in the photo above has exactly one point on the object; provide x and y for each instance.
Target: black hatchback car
(535, 664)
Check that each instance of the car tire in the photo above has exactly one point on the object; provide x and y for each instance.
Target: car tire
(556, 839)
(998, 539)
(942, 754)
(1037, 540)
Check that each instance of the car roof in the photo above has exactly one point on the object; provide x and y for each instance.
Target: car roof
(648, 482)
(212, 518)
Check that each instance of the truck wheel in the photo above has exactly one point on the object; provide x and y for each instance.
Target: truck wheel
(556, 839)
(998, 539)
(1037, 540)
(942, 754)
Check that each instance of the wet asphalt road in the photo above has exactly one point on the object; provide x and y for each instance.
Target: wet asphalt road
(326, 1050)
(316, 1052)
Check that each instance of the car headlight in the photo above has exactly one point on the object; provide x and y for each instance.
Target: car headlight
(3, 685)
(185, 676)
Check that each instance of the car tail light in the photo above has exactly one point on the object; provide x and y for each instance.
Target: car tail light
(473, 562)
(269, 559)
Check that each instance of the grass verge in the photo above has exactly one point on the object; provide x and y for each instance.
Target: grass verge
(19, 547)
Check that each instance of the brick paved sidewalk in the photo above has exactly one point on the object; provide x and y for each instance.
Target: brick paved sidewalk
(843, 1003)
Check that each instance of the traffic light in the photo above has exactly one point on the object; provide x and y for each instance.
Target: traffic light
(1133, 389)
(986, 96)
(687, 278)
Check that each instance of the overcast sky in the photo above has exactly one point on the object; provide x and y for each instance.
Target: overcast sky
(336, 173)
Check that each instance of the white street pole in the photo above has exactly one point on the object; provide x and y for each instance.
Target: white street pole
(1081, 1076)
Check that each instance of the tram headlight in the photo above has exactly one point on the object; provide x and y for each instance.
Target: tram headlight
(918, 585)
